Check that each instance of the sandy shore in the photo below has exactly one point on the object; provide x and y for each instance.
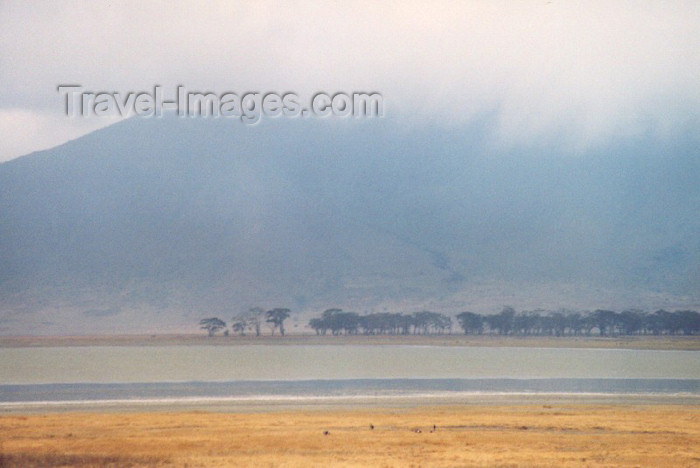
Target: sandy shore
(525, 435)
(689, 343)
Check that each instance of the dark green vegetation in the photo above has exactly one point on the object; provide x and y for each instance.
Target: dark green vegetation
(507, 323)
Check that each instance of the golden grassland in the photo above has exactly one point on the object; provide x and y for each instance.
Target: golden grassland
(542, 435)
(689, 343)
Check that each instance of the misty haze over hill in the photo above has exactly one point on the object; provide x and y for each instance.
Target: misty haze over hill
(151, 224)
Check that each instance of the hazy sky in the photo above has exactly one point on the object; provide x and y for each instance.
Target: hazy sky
(578, 72)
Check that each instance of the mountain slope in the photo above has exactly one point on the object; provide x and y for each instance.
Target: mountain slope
(151, 224)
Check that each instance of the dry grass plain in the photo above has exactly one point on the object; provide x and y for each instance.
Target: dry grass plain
(535, 435)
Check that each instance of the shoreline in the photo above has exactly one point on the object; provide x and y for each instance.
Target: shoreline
(283, 403)
(547, 434)
(675, 343)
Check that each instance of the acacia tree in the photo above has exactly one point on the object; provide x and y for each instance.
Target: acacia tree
(471, 323)
(212, 325)
(501, 323)
(276, 317)
(605, 321)
(631, 321)
(239, 325)
(338, 322)
(255, 317)
(318, 325)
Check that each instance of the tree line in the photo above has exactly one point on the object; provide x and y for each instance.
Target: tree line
(506, 323)
(251, 321)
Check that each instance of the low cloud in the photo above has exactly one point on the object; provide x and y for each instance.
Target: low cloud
(582, 73)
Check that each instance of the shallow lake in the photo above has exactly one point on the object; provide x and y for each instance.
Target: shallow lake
(160, 372)
(107, 364)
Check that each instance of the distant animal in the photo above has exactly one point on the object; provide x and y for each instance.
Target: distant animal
(434, 427)
(417, 431)
(326, 433)
(371, 426)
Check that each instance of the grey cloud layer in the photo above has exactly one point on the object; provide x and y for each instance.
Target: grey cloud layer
(587, 71)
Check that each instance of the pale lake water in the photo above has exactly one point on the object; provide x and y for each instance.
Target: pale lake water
(42, 377)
